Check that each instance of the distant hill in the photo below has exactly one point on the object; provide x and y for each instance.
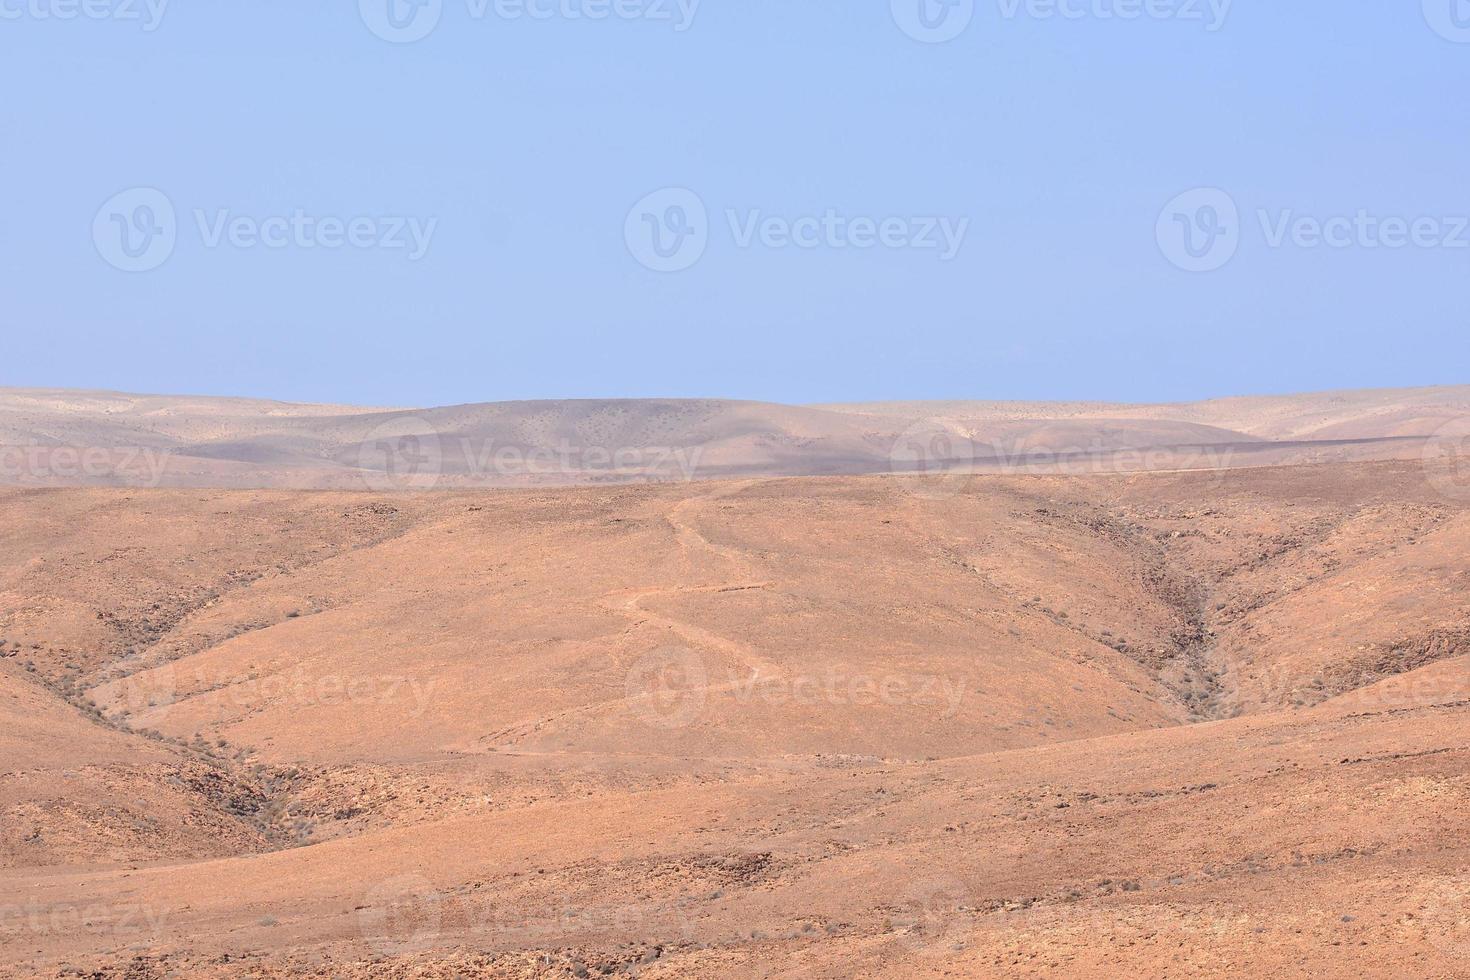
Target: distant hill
(57, 437)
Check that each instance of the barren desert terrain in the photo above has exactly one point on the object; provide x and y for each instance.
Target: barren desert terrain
(51, 437)
(1102, 714)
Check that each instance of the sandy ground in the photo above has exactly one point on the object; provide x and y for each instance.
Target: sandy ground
(1160, 724)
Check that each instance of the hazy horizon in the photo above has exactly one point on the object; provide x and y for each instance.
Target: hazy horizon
(792, 404)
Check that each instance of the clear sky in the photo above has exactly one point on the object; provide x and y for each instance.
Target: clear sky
(335, 208)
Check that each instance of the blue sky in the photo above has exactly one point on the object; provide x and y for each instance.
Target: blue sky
(1065, 148)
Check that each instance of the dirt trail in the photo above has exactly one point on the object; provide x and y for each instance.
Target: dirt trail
(629, 602)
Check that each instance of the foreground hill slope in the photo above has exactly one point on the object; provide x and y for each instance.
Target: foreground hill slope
(880, 726)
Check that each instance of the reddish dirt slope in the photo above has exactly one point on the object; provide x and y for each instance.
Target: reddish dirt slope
(1157, 724)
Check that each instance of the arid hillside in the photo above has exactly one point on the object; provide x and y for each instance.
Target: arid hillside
(51, 437)
(1170, 723)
